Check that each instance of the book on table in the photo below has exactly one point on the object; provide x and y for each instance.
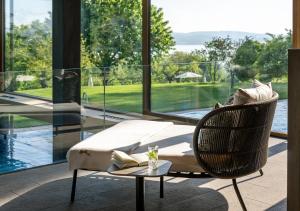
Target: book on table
(123, 160)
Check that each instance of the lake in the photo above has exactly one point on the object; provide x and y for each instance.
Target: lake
(188, 48)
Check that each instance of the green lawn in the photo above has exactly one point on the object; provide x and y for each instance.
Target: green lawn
(165, 97)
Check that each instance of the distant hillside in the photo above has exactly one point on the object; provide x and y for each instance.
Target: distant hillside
(197, 38)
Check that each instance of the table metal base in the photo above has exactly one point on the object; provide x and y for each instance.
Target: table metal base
(140, 192)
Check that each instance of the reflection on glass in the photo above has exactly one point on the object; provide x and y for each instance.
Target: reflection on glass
(48, 129)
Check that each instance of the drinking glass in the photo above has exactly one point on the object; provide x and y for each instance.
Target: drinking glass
(152, 157)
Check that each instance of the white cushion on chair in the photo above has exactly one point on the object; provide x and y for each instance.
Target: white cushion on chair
(260, 92)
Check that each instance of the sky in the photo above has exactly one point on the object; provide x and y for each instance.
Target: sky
(25, 11)
(260, 16)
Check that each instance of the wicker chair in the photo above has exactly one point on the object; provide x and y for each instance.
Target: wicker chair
(232, 141)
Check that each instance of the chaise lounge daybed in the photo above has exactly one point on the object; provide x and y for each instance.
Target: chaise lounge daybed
(229, 142)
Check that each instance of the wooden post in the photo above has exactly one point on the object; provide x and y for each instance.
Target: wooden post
(296, 23)
(293, 183)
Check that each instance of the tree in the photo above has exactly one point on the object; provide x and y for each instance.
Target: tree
(245, 59)
(169, 71)
(161, 39)
(169, 66)
(126, 74)
(32, 53)
(219, 50)
(85, 58)
(273, 60)
(247, 52)
(113, 31)
(87, 67)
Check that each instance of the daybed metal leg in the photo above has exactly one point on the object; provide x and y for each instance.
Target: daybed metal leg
(261, 172)
(74, 185)
(161, 187)
(239, 194)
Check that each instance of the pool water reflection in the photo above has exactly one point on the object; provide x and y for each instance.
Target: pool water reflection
(279, 122)
(27, 147)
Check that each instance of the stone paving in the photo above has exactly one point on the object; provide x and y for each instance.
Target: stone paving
(48, 188)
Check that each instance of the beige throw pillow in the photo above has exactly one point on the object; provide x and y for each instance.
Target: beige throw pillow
(260, 92)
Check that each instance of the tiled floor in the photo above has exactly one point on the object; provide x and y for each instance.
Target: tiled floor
(48, 188)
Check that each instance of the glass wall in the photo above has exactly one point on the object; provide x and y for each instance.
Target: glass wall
(36, 132)
(197, 61)
(117, 88)
(111, 49)
(28, 47)
(210, 51)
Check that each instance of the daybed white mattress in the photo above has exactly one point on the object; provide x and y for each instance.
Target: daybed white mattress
(134, 136)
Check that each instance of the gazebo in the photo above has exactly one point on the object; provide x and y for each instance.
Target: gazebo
(188, 75)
